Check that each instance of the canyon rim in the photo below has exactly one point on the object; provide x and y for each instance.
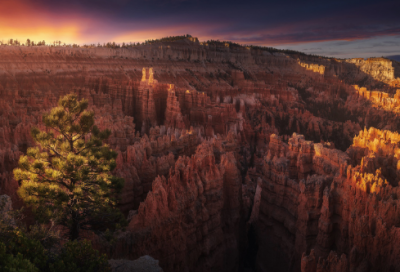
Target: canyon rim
(235, 158)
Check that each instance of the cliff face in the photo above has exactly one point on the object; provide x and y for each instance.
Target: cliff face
(342, 217)
(234, 158)
(295, 179)
(190, 221)
(367, 218)
(379, 68)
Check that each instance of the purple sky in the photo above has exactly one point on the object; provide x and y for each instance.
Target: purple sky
(337, 28)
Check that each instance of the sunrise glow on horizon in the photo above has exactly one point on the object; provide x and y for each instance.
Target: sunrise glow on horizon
(314, 30)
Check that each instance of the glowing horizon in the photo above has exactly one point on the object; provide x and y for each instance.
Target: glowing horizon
(291, 25)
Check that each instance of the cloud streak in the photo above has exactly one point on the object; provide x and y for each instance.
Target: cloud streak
(269, 23)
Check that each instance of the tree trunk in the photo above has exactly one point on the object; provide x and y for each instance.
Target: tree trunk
(74, 230)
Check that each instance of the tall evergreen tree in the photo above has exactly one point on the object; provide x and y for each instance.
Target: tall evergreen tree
(66, 176)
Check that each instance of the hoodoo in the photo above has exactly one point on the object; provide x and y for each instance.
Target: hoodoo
(234, 158)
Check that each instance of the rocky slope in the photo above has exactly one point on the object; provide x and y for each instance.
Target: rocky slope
(234, 158)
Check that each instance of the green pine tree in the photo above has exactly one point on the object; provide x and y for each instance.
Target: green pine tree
(66, 176)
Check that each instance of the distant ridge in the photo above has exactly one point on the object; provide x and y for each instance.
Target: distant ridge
(188, 39)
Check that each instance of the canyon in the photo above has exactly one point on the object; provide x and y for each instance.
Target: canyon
(234, 158)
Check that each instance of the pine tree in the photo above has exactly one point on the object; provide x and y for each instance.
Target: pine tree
(66, 176)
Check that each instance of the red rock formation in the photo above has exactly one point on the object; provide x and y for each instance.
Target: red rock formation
(173, 114)
(336, 212)
(313, 207)
(193, 213)
(379, 68)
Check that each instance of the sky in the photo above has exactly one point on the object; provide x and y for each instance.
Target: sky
(359, 28)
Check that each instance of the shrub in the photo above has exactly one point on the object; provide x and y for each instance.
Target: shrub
(10, 263)
(79, 256)
(30, 249)
(21, 253)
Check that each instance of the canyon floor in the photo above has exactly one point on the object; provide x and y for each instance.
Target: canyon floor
(234, 158)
